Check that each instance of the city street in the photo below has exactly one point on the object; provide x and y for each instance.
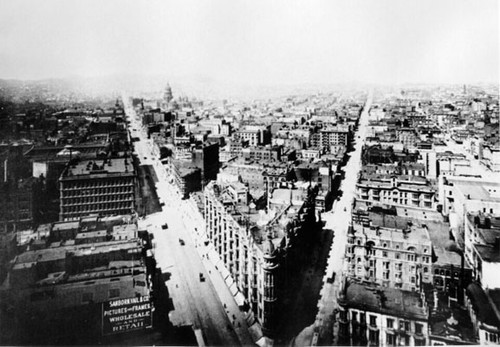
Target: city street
(207, 305)
(338, 220)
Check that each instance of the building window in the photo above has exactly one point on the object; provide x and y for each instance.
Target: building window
(354, 316)
(390, 323)
(373, 321)
(419, 342)
(391, 340)
(404, 325)
(373, 337)
(418, 328)
(384, 254)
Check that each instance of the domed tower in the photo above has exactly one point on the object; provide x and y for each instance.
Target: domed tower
(269, 267)
(167, 95)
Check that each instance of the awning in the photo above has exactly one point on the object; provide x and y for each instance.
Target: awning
(223, 271)
(213, 256)
(240, 299)
(233, 288)
(229, 281)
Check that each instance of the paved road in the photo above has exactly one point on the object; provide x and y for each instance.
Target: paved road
(195, 302)
(338, 220)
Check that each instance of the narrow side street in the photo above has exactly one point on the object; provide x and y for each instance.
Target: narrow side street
(337, 220)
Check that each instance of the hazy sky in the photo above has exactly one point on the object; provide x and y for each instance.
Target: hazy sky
(254, 41)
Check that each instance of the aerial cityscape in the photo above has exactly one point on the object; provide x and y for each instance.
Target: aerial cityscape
(232, 173)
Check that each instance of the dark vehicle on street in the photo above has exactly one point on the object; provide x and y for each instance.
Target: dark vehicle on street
(332, 278)
(164, 226)
(181, 241)
(202, 278)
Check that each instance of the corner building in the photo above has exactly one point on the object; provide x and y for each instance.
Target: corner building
(257, 247)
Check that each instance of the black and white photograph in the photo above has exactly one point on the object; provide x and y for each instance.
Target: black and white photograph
(249, 173)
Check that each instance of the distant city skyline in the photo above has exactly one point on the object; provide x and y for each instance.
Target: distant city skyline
(279, 42)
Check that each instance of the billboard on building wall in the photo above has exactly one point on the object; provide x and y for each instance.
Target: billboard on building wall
(122, 315)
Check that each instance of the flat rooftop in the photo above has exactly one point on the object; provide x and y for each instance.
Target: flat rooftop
(391, 301)
(53, 254)
(101, 166)
(478, 190)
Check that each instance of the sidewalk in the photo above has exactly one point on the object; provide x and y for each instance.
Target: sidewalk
(325, 327)
(193, 222)
(235, 315)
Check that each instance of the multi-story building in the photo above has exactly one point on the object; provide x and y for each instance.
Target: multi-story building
(460, 195)
(206, 157)
(254, 136)
(17, 199)
(334, 136)
(407, 136)
(104, 187)
(79, 287)
(319, 173)
(397, 190)
(253, 244)
(187, 177)
(275, 176)
(259, 175)
(484, 307)
(389, 250)
(380, 316)
(481, 239)
(311, 153)
(263, 152)
(409, 169)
